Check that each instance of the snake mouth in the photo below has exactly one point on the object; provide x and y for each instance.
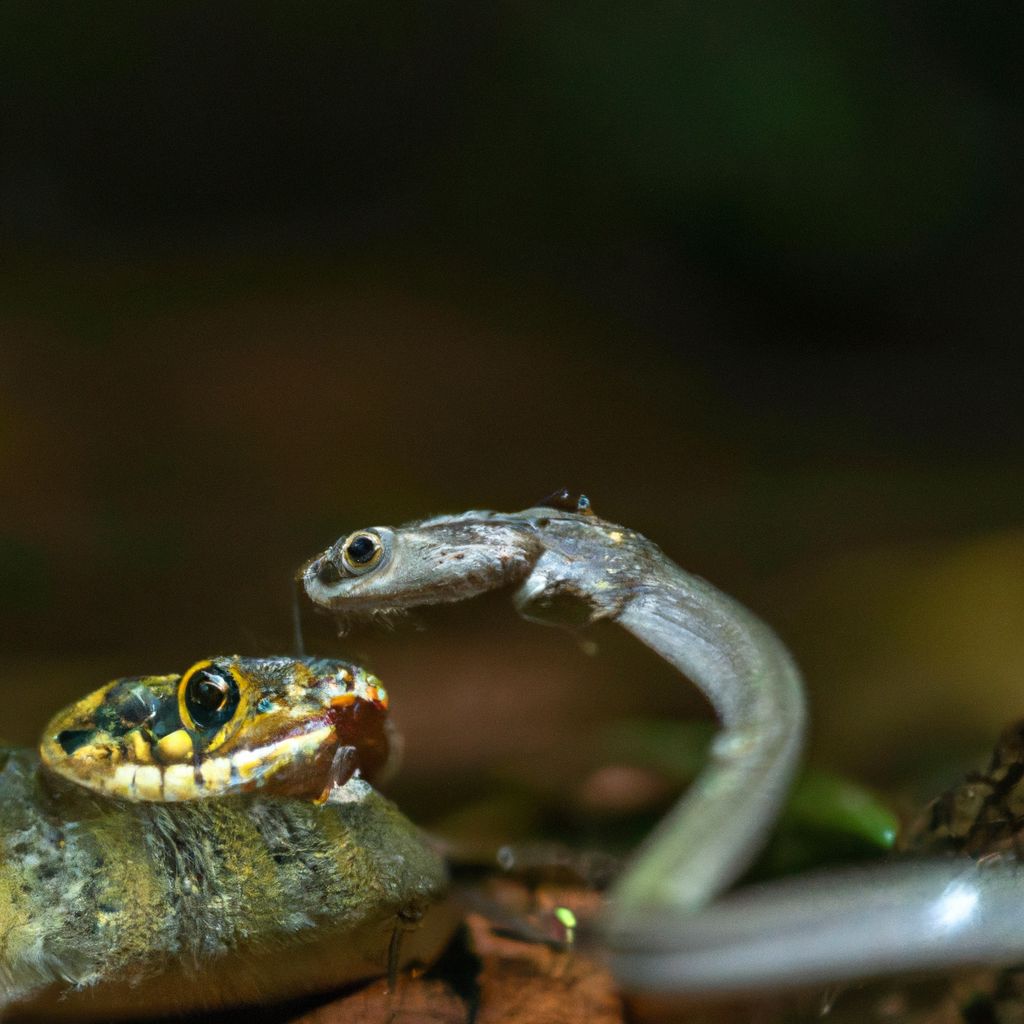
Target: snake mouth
(227, 726)
(295, 765)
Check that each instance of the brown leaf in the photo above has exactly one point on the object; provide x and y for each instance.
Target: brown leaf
(529, 982)
(519, 982)
(416, 1000)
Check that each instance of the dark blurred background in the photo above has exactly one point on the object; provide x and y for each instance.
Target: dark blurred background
(747, 274)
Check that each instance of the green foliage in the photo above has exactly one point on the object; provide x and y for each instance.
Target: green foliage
(826, 819)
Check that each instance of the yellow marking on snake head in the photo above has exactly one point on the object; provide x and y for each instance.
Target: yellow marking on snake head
(179, 782)
(216, 772)
(148, 783)
(247, 763)
(123, 780)
(175, 746)
(139, 750)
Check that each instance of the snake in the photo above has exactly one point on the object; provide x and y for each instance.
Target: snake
(671, 926)
(209, 838)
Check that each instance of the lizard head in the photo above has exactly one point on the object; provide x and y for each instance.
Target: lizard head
(388, 569)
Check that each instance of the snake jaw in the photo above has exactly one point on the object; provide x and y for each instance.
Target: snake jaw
(228, 725)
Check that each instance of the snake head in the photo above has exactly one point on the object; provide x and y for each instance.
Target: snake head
(227, 725)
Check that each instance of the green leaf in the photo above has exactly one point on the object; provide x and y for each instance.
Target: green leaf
(820, 803)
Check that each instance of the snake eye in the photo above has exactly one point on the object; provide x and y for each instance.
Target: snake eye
(209, 696)
(362, 551)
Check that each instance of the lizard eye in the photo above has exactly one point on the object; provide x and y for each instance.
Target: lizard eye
(362, 551)
(208, 696)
